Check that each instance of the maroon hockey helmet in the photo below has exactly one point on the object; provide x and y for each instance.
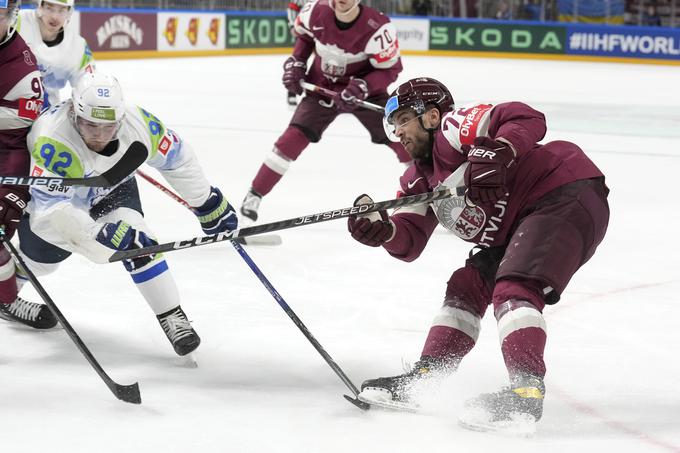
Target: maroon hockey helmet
(418, 94)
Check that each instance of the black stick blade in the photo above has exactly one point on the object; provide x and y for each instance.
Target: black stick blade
(360, 404)
(135, 156)
(128, 393)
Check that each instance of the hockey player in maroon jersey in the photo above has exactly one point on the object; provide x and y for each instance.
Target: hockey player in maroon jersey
(536, 212)
(21, 95)
(356, 54)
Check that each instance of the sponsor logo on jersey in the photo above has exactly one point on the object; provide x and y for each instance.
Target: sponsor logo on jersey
(30, 108)
(37, 171)
(192, 31)
(468, 127)
(412, 184)
(164, 145)
(387, 54)
(170, 32)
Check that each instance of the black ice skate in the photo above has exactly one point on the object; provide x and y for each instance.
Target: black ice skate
(395, 392)
(28, 313)
(514, 409)
(250, 206)
(177, 328)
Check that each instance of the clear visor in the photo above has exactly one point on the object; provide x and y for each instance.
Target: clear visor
(391, 124)
(391, 108)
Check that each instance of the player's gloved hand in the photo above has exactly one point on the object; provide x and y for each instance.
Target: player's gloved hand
(216, 215)
(12, 205)
(356, 90)
(373, 229)
(121, 236)
(293, 71)
(486, 175)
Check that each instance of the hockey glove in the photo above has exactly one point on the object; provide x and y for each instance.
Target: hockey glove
(356, 90)
(121, 236)
(486, 175)
(216, 215)
(293, 71)
(373, 229)
(12, 205)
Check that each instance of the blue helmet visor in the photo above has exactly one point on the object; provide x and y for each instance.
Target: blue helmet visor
(391, 107)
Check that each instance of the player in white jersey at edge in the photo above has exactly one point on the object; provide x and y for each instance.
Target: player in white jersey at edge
(84, 137)
(63, 55)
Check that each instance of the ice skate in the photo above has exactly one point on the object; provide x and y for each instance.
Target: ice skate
(28, 313)
(396, 392)
(512, 410)
(178, 329)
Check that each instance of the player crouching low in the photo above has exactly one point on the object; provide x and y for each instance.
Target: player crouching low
(84, 137)
(536, 213)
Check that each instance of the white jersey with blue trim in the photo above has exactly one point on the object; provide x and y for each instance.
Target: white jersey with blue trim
(57, 149)
(59, 63)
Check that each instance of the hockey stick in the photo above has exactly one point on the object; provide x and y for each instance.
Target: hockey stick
(331, 94)
(134, 156)
(271, 239)
(128, 393)
(282, 303)
(289, 223)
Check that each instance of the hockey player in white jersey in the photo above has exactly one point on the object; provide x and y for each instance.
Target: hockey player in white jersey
(84, 137)
(63, 55)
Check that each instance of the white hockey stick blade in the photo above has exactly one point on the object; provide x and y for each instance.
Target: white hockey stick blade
(189, 361)
(267, 239)
(383, 399)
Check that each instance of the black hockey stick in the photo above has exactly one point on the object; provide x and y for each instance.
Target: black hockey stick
(290, 223)
(134, 156)
(282, 303)
(127, 393)
(331, 94)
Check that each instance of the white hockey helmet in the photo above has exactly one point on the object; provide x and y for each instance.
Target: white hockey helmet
(69, 3)
(98, 97)
(11, 15)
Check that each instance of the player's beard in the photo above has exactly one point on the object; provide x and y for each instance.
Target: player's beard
(421, 147)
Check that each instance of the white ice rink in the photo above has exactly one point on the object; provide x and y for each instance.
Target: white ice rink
(613, 352)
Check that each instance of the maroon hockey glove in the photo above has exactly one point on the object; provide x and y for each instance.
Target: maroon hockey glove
(486, 175)
(12, 205)
(372, 229)
(356, 90)
(293, 71)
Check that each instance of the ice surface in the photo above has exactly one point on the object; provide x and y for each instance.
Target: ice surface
(612, 352)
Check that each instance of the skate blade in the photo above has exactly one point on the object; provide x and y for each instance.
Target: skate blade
(519, 425)
(383, 399)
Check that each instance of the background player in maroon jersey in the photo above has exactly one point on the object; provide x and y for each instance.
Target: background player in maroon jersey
(356, 54)
(536, 212)
(21, 96)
